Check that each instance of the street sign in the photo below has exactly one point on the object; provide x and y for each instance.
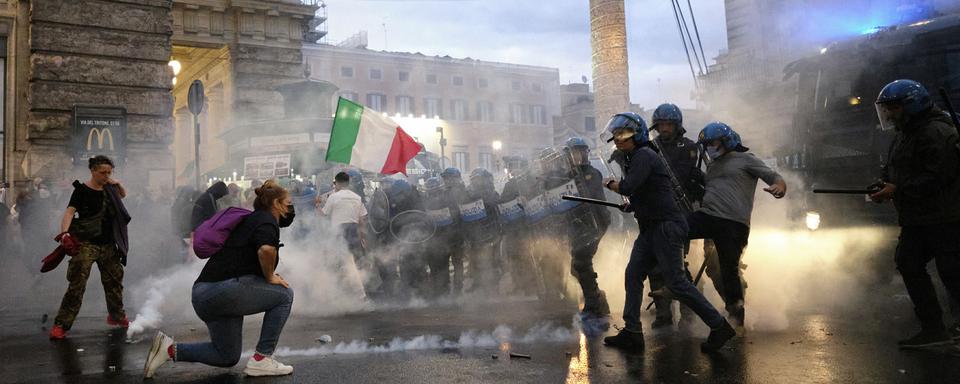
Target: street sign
(196, 98)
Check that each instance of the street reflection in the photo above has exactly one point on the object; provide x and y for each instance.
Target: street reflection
(579, 369)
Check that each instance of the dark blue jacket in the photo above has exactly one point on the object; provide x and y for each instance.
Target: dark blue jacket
(648, 186)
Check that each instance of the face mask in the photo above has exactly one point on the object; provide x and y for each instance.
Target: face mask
(714, 153)
(287, 219)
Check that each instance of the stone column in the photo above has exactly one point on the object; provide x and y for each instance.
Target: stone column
(98, 53)
(608, 38)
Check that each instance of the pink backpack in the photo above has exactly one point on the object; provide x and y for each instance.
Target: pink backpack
(211, 235)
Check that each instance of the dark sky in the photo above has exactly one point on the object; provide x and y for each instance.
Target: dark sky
(528, 32)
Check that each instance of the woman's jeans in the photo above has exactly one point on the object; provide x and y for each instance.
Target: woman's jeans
(222, 305)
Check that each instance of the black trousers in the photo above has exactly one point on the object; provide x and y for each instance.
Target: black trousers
(730, 238)
(918, 246)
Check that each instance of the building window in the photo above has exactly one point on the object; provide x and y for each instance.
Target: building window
(458, 80)
(461, 160)
(458, 110)
(431, 79)
(516, 85)
(486, 161)
(405, 105)
(403, 76)
(483, 83)
(377, 102)
(352, 96)
(376, 74)
(589, 124)
(346, 71)
(433, 108)
(538, 115)
(536, 87)
(485, 111)
(518, 114)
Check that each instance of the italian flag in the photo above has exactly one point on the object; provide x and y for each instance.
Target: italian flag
(368, 140)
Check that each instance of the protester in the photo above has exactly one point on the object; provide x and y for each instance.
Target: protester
(347, 213)
(101, 227)
(206, 205)
(724, 216)
(239, 280)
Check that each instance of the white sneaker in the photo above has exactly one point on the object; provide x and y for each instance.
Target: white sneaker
(266, 367)
(158, 354)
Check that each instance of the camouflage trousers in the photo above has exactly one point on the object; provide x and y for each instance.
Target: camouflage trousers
(78, 271)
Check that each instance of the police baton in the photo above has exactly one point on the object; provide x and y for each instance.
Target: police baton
(592, 201)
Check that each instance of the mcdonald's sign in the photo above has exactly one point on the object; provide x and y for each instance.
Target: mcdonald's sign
(99, 131)
(101, 134)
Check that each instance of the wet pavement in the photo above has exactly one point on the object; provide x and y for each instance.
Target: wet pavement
(384, 347)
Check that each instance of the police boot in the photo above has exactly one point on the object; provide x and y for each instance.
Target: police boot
(663, 300)
(596, 306)
(627, 340)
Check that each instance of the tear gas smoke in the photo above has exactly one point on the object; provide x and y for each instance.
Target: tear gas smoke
(500, 336)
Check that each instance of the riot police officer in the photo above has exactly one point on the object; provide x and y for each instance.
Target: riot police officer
(480, 222)
(922, 177)
(404, 199)
(662, 235)
(516, 234)
(588, 225)
(682, 155)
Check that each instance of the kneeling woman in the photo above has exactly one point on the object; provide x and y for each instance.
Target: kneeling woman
(238, 281)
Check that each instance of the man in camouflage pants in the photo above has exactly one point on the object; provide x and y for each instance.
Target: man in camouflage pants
(97, 219)
(78, 271)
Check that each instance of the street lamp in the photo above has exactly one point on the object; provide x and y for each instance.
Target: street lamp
(443, 143)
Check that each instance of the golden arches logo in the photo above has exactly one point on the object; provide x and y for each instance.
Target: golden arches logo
(102, 134)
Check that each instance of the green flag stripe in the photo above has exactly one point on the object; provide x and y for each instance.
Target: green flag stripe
(343, 135)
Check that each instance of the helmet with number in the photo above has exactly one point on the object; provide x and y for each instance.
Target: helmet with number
(667, 112)
(908, 94)
(579, 151)
(628, 124)
(481, 176)
(719, 131)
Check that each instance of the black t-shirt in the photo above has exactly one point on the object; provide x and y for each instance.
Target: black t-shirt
(88, 202)
(239, 255)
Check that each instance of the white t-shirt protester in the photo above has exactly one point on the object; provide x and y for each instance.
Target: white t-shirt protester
(344, 207)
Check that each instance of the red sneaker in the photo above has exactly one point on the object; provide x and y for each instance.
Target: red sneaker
(123, 323)
(57, 333)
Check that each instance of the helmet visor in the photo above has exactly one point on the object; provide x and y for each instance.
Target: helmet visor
(887, 115)
(579, 156)
(622, 134)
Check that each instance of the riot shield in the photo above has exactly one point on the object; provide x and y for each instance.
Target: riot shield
(412, 227)
(378, 211)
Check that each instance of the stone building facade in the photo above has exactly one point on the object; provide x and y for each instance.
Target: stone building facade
(110, 59)
(475, 102)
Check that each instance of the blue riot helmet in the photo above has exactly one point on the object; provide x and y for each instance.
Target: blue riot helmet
(450, 172)
(900, 101)
(451, 177)
(397, 189)
(626, 125)
(579, 151)
(668, 113)
(433, 186)
(729, 140)
(480, 176)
